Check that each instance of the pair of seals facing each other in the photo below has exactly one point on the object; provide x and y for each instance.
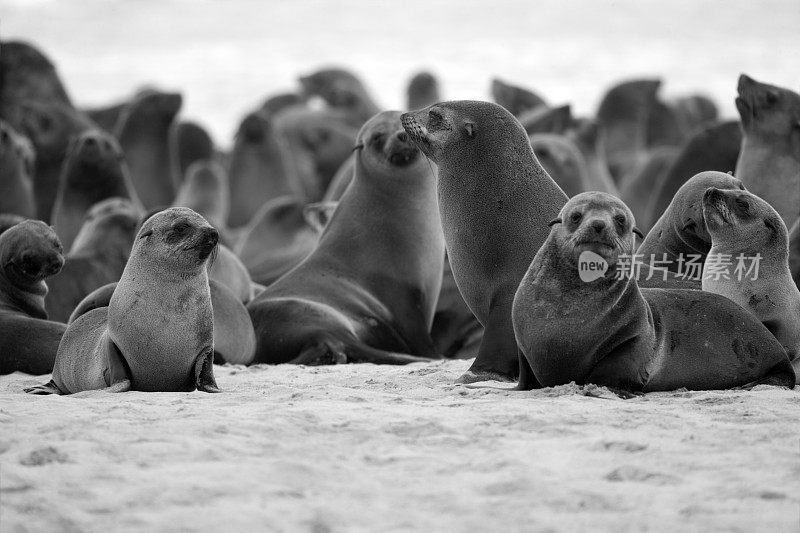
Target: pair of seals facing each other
(29, 252)
(747, 232)
(367, 293)
(621, 336)
(495, 201)
(157, 332)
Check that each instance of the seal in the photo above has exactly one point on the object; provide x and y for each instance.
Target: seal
(422, 91)
(94, 170)
(205, 190)
(636, 188)
(368, 290)
(16, 169)
(713, 148)
(192, 143)
(563, 162)
(8, 220)
(157, 332)
(29, 253)
(495, 200)
(97, 257)
(769, 162)
(516, 99)
(278, 102)
(589, 139)
(261, 168)
(26, 73)
(143, 131)
(545, 119)
(679, 240)
(794, 251)
(620, 335)
(749, 262)
(342, 90)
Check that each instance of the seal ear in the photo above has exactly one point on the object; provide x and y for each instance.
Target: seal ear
(470, 129)
(554, 222)
(772, 224)
(638, 232)
(146, 234)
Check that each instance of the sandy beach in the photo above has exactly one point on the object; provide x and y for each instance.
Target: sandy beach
(367, 448)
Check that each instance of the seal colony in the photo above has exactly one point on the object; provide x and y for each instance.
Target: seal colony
(335, 231)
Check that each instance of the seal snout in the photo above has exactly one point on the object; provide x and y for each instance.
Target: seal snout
(205, 242)
(37, 265)
(402, 152)
(714, 202)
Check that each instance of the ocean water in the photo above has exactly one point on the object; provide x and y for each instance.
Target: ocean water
(227, 56)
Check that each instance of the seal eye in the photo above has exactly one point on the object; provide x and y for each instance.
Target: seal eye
(377, 140)
(181, 227)
(576, 217)
(620, 220)
(435, 118)
(742, 205)
(772, 97)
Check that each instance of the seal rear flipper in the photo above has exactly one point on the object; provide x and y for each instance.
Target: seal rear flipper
(204, 372)
(781, 375)
(47, 388)
(361, 353)
(117, 373)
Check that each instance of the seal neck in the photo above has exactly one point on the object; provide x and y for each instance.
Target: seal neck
(28, 300)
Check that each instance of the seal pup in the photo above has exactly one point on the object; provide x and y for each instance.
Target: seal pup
(16, 173)
(94, 170)
(679, 240)
(745, 228)
(769, 162)
(29, 253)
(620, 335)
(495, 200)
(342, 90)
(368, 290)
(422, 91)
(516, 99)
(98, 255)
(143, 131)
(157, 332)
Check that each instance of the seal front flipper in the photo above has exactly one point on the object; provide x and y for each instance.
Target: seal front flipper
(204, 372)
(47, 388)
(117, 373)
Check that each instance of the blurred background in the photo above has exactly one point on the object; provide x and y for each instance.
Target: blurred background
(227, 56)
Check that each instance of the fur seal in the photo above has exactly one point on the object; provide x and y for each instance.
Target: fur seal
(636, 188)
(94, 170)
(745, 228)
(106, 117)
(192, 143)
(794, 251)
(157, 332)
(26, 73)
(515, 99)
(623, 115)
(261, 168)
(697, 110)
(769, 162)
(29, 253)
(8, 220)
(368, 290)
(278, 102)
(143, 131)
(713, 148)
(98, 255)
(620, 335)
(589, 139)
(563, 162)
(543, 119)
(422, 91)
(16, 173)
(342, 90)
(205, 190)
(495, 200)
(679, 240)
(666, 126)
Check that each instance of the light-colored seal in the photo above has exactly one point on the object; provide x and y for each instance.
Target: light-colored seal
(422, 91)
(495, 200)
(342, 90)
(16, 173)
(368, 291)
(749, 262)
(563, 162)
(769, 162)
(205, 190)
(679, 240)
(94, 170)
(143, 131)
(98, 255)
(29, 253)
(516, 99)
(591, 325)
(157, 332)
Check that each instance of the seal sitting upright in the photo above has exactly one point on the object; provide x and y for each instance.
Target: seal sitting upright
(368, 290)
(157, 332)
(575, 323)
(495, 200)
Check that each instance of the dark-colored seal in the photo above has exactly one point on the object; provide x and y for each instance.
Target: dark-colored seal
(563, 162)
(495, 200)
(516, 99)
(794, 252)
(422, 91)
(94, 170)
(679, 240)
(769, 162)
(157, 332)
(191, 143)
(636, 188)
(8, 220)
(16, 173)
(748, 263)
(29, 253)
(368, 291)
(97, 257)
(575, 323)
(143, 131)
